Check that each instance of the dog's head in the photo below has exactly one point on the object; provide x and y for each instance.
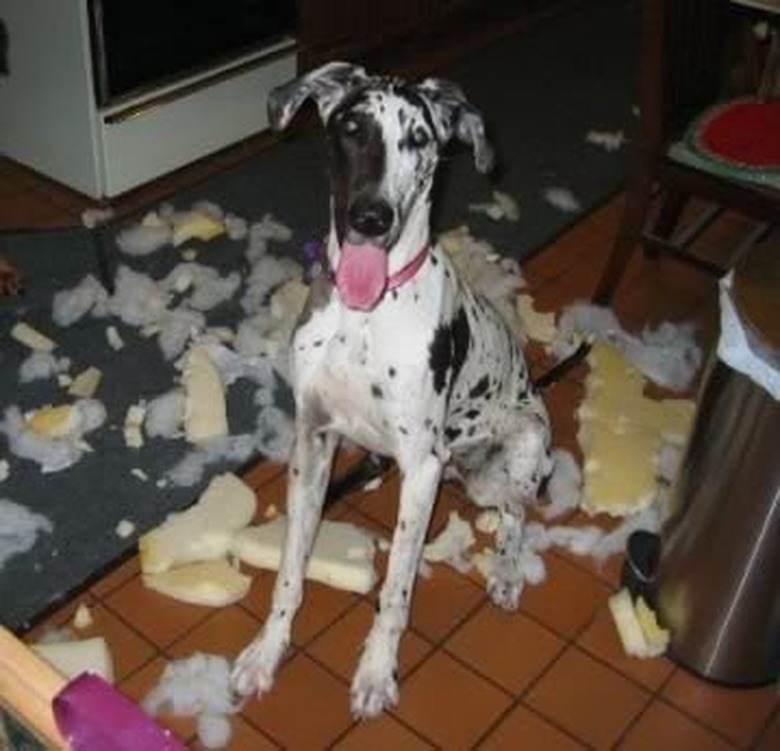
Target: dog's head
(385, 137)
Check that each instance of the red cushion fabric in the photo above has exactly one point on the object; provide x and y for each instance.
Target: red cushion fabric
(742, 133)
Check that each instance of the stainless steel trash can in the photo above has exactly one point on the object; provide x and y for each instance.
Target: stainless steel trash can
(717, 585)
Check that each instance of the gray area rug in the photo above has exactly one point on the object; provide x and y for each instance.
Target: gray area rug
(541, 91)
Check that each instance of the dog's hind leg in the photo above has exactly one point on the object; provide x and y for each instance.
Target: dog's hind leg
(514, 476)
(308, 478)
(375, 685)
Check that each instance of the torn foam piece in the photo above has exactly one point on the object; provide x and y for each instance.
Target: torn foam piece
(53, 421)
(114, 338)
(213, 583)
(53, 454)
(86, 383)
(195, 225)
(538, 326)
(124, 529)
(205, 412)
(451, 544)
(28, 336)
(72, 658)
(621, 431)
(82, 618)
(202, 532)
(342, 556)
(608, 140)
(562, 199)
(503, 206)
(640, 635)
(132, 430)
(5, 470)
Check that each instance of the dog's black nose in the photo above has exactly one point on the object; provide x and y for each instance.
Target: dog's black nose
(370, 217)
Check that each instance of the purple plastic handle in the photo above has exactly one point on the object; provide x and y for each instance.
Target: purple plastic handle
(93, 716)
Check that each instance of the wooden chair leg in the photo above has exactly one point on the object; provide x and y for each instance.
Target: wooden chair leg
(668, 218)
(629, 233)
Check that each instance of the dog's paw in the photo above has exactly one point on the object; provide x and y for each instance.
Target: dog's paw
(254, 670)
(374, 687)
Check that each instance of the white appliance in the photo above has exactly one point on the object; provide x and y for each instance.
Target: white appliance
(52, 118)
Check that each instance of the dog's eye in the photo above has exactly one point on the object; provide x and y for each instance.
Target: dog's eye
(420, 137)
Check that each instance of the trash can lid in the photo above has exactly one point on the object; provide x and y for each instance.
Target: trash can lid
(756, 294)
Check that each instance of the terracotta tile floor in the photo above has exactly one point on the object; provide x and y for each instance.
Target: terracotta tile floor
(552, 676)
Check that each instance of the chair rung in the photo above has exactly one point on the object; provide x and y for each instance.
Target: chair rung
(689, 235)
(666, 247)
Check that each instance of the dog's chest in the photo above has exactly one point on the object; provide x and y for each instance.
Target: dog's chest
(367, 372)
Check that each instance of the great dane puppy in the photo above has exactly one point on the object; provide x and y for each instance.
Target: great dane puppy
(399, 355)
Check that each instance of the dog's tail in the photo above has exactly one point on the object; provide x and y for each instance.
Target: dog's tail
(560, 369)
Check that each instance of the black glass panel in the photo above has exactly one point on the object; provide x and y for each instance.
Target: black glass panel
(139, 43)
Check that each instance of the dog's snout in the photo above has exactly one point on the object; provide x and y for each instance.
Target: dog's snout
(370, 217)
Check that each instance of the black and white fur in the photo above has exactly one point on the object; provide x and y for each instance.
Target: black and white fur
(430, 376)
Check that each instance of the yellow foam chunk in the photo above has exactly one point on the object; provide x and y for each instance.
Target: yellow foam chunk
(621, 431)
(72, 658)
(52, 422)
(205, 412)
(657, 638)
(32, 338)
(86, 383)
(539, 326)
(202, 532)
(211, 583)
(194, 225)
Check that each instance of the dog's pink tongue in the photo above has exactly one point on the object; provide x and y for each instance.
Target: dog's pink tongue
(361, 277)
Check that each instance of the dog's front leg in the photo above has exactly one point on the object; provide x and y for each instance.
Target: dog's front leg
(308, 481)
(375, 685)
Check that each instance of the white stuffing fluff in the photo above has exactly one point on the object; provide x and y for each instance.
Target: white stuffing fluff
(451, 544)
(565, 486)
(138, 300)
(563, 200)
(608, 140)
(214, 730)
(209, 209)
(198, 686)
(268, 272)
(189, 470)
(668, 461)
(667, 355)
(261, 335)
(152, 233)
(19, 529)
(71, 305)
(261, 233)
(5, 470)
(41, 366)
(176, 329)
(236, 227)
(503, 206)
(274, 434)
(92, 218)
(496, 279)
(52, 454)
(204, 286)
(165, 415)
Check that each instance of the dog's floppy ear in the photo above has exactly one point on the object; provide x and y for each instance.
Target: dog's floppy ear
(326, 85)
(454, 116)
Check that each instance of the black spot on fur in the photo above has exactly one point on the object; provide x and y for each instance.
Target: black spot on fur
(391, 372)
(480, 388)
(376, 391)
(452, 433)
(448, 350)
(472, 414)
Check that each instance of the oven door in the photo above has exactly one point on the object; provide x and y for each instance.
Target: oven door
(142, 44)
